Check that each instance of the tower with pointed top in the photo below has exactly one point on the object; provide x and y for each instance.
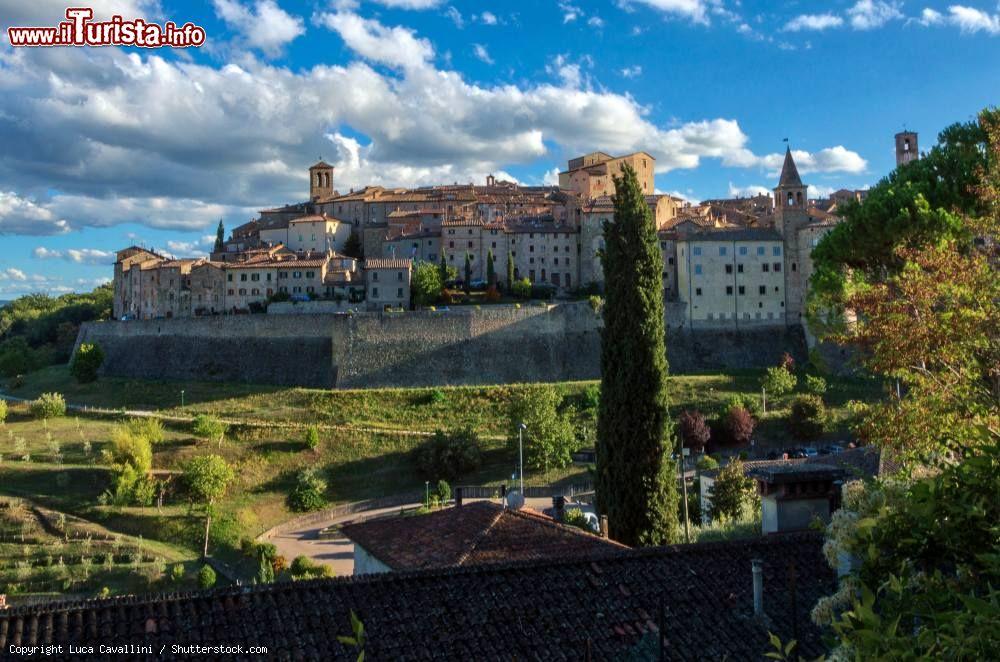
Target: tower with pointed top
(790, 215)
(320, 181)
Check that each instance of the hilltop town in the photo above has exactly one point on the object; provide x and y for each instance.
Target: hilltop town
(727, 263)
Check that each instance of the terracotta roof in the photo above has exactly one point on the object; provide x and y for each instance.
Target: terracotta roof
(478, 532)
(863, 462)
(320, 164)
(314, 218)
(737, 234)
(388, 263)
(699, 598)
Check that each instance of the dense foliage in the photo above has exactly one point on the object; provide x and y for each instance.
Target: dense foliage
(806, 417)
(309, 492)
(450, 455)
(48, 405)
(207, 477)
(693, 430)
(37, 330)
(130, 457)
(732, 493)
(549, 439)
(426, 284)
(636, 485)
(86, 362)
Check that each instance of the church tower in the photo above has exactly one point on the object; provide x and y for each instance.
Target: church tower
(906, 148)
(320, 181)
(790, 215)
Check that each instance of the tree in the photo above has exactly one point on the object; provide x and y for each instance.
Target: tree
(778, 381)
(86, 362)
(443, 269)
(805, 420)
(521, 288)
(693, 430)
(815, 385)
(738, 425)
(220, 238)
(3, 411)
(207, 478)
(636, 480)
(510, 271)
(209, 427)
(732, 492)
(491, 273)
(48, 405)
(353, 247)
(468, 272)
(426, 284)
(443, 491)
(549, 440)
(309, 492)
(130, 456)
(450, 455)
(206, 577)
(312, 438)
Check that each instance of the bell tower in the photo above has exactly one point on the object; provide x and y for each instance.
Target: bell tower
(790, 195)
(906, 147)
(320, 181)
(790, 215)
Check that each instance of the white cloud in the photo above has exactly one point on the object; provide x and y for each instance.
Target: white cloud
(871, 14)
(971, 20)
(813, 22)
(482, 53)
(267, 27)
(409, 4)
(395, 46)
(76, 255)
(820, 192)
(488, 18)
(570, 12)
(20, 215)
(632, 72)
(456, 17)
(13, 274)
(748, 191)
(930, 17)
(595, 22)
(695, 10)
(551, 177)
(186, 249)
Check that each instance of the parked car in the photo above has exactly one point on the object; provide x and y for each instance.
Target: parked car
(796, 453)
(477, 285)
(830, 449)
(810, 451)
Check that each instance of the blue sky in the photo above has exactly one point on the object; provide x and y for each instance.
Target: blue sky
(104, 147)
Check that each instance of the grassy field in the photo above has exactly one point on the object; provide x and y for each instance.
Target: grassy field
(363, 453)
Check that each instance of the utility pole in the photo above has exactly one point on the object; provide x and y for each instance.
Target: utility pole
(520, 452)
(684, 487)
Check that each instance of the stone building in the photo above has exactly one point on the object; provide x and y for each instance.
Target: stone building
(387, 283)
(592, 175)
(906, 148)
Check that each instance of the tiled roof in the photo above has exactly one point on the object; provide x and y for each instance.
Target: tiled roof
(789, 173)
(698, 597)
(388, 263)
(320, 164)
(479, 532)
(863, 462)
(737, 234)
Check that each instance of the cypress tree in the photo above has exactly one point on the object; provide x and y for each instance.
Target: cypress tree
(510, 271)
(636, 478)
(220, 237)
(468, 272)
(443, 270)
(491, 274)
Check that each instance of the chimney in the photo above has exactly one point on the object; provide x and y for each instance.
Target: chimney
(559, 506)
(758, 586)
(458, 497)
(604, 526)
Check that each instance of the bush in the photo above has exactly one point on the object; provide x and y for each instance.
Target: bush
(549, 438)
(450, 455)
(805, 420)
(86, 362)
(575, 517)
(778, 381)
(521, 288)
(739, 425)
(732, 492)
(48, 405)
(693, 431)
(177, 573)
(748, 401)
(305, 568)
(443, 491)
(3, 410)
(206, 577)
(492, 294)
(706, 463)
(309, 492)
(815, 385)
(312, 438)
(148, 428)
(208, 427)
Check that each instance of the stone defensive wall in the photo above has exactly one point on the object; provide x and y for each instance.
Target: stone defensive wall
(491, 345)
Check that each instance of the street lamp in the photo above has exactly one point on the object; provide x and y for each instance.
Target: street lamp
(427, 494)
(521, 427)
(182, 397)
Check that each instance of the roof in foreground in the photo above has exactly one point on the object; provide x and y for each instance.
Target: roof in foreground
(388, 263)
(551, 610)
(478, 532)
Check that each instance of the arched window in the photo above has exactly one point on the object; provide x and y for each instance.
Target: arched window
(798, 198)
(791, 199)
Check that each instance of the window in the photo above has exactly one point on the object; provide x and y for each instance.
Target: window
(531, 248)
(762, 290)
(310, 289)
(663, 245)
(555, 261)
(729, 268)
(255, 277)
(229, 277)
(697, 291)
(296, 274)
(743, 289)
(777, 267)
(470, 244)
(269, 277)
(776, 251)
(729, 290)
(230, 292)
(243, 277)
(313, 237)
(722, 251)
(399, 293)
(451, 244)
(670, 260)
(282, 274)
(760, 250)
(310, 274)
(697, 269)
(255, 291)
(399, 275)
(374, 292)
(696, 250)
(243, 292)
(739, 268)
(743, 250)
(531, 260)
(375, 276)
(765, 267)
(793, 266)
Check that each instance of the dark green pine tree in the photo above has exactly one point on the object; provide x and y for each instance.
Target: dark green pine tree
(220, 237)
(443, 270)
(636, 478)
(491, 273)
(468, 272)
(510, 271)
(353, 247)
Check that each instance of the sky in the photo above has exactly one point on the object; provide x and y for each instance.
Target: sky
(101, 148)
